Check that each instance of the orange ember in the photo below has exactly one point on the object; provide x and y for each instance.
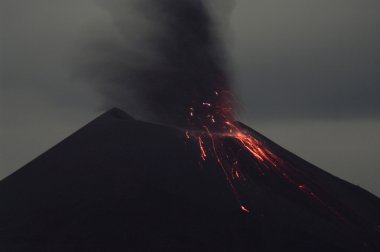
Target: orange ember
(211, 124)
(243, 208)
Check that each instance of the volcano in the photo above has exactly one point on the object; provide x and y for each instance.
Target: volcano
(120, 184)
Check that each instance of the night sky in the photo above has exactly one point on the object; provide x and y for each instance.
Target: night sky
(306, 74)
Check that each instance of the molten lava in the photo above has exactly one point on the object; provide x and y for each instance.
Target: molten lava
(222, 138)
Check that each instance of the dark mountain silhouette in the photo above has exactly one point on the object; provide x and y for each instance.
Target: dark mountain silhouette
(120, 184)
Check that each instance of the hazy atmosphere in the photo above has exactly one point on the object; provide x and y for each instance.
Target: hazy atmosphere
(306, 74)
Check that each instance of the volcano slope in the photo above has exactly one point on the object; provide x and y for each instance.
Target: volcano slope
(120, 184)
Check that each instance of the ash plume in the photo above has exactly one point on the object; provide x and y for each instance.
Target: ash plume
(172, 59)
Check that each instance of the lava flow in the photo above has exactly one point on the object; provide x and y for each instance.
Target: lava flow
(212, 125)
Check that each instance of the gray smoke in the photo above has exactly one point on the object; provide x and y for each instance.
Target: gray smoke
(172, 57)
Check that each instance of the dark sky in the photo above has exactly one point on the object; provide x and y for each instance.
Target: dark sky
(306, 74)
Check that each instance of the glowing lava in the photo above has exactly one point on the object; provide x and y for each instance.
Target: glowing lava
(212, 125)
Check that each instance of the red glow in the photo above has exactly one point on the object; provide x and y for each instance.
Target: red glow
(212, 123)
(243, 208)
(203, 152)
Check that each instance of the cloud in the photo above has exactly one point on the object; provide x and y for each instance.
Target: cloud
(307, 58)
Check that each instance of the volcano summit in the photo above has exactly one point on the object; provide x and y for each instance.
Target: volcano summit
(119, 184)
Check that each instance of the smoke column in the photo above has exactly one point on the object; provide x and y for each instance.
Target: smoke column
(185, 66)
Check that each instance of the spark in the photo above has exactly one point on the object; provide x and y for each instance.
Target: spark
(187, 134)
(201, 147)
(236, 173)
(218, 124)
(244, 209)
